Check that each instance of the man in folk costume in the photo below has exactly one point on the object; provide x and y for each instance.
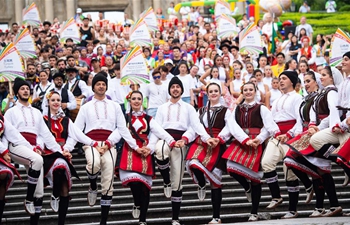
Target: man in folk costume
(176, 117)
(285, 112)
(339, 134)
(9, 134)
(99, 118)
(30, 123)
(309, 52)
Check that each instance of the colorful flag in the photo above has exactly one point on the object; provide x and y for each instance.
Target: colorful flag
(222, 7)
(250, 40)
(139, 34)
(274, 39)
(11, 64)
(340, 44)
(25, 44)
(134, 67)
(70, 29)
(31, 15)
(226, 27)
(150, 19)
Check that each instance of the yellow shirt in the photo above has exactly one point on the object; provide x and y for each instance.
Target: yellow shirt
(276, 70)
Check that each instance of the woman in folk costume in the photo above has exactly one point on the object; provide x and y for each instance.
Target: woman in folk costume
(309, 52)
(251, 125)
(58, 168)
(316, 162)
(136, 167)
(204, 163)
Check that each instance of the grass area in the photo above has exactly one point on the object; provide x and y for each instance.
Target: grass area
(322, 23)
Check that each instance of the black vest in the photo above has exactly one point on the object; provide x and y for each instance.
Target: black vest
(75, 88)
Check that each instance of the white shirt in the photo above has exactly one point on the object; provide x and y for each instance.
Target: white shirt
(180, 116)
(37, 91)
(12, 135)
(334, 117)
(116, 91)
(30, 120)
(344, 98)
(306, 26)
(188, 84)
(275, 94)
(81, 84)
(157, 94)
(286, 108)
(104, 115)
(269, 129)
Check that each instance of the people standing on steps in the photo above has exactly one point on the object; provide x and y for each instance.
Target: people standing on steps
(30, 123)
(99, 118)
(136, 168)
(250, 125)
(58, 168)
(176, 117)
(285, 112)
(203, 162)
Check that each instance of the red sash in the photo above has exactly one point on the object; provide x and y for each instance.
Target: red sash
(133, 161)
(99, 134)
(207, 156)
(30, 137)
(245, 155)
(343, 154)
(286, 126)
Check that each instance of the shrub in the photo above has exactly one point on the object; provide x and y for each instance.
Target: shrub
(345, 8)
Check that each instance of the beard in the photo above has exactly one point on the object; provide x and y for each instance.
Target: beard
(22, 98)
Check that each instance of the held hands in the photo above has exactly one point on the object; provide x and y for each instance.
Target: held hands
(67, 154)
(312, 130)
(253, 143)
(7, 157)
(282, 138)
(213, 142)
(102, 149)
(144, 151)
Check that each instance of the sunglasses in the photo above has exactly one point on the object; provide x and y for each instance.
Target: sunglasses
(156, 77)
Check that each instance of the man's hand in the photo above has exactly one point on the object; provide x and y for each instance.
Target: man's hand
(63, 105)
(256, 143)
(100, 150)
(146, 151)
(282, 138)
(7, 157)
(337, 130)
(312, 130)
(180, 143)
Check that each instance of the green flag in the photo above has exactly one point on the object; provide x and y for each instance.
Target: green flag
(273, 39)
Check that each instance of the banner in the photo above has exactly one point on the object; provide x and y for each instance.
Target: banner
(226, 27)
(250, 40)
(139, 34)
(134, 67)
(25, 44)
(222, 7)
(70, 29)
(31, 15)
(150, 19)
(339, 46)
(11, 65)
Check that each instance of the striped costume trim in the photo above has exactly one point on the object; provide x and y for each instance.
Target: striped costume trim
(176, 199)
(105, 202)
(37, 209)
(271, 179)
(293, 189)
(163, 167)
(32, 180)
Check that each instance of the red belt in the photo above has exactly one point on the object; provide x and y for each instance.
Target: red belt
(99, 134)
(251, 131)
(30, 137)
(176, 134)
(286, 125)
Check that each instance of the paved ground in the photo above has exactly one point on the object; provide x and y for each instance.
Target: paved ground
(303, 221)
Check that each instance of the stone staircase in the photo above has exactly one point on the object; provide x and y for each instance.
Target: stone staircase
(235, 207)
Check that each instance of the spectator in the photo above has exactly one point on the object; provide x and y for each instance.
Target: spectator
(331, 6)
(304, 8)
(306, 26)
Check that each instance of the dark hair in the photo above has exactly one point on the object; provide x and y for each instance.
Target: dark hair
(60, 60)
(255, 72)
(69, 57)
(116, 66)
(307, 65)
(164, 68)
(242, 87)
(239, 63)
(312, 74)
(329, 70)
(155, 72)
(48, 110)
(183, 63)
(211, 70)
(133, 131)
(280, 53)
(287, 66)
(53, 56)
(215, 58)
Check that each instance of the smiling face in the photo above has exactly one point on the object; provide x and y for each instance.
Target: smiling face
(175, 91)
(213, 92)
(310, 84)
(249, 92)
(136, 101)
(55, 102)
(326, 78)
(346, 65)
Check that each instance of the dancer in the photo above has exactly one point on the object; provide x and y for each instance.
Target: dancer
(30, 123)
(136, 168)
(251, 126)
(176, 117)
(204, 163)
(99, 118)
(58, 168)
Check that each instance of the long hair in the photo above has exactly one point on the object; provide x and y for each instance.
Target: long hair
(130, 115)
(48, 96)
